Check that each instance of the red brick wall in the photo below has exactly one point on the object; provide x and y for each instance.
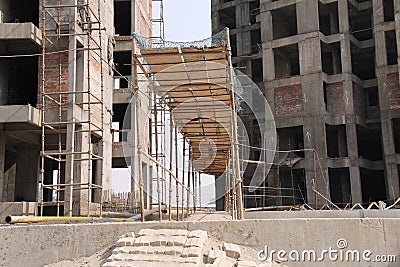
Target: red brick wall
(393, 88)
(51, 76)
(288, 100)
(335, 98)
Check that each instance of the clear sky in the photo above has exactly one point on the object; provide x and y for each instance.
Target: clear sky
(185, 20)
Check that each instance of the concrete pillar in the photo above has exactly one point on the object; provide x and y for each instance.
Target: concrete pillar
(392, 176)
(397, 21)
(81, 173)
(315, 138)
(307, 16)
(267, 30)
(352, 142)
(27, 173)
(343, 14)
(2, 160)
(243, 37)
(310, 55)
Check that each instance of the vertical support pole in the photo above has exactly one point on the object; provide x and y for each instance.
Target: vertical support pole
(137, 132)
(43, 90)
(170, 167)
(235, 145)
(199, 190)
(176, 173)
(190, 164)
(315, 179)
(183, 176)
(227, 186)
(194, 189)
(157, 167)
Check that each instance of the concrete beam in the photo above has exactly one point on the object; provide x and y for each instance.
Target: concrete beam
(20, 31)
(20, 113)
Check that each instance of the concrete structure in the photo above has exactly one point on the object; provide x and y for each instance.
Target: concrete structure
(329, 70)
(128, 110)
(71, 241)
(57, 133)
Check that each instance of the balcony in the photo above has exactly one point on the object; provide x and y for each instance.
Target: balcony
(19, 38)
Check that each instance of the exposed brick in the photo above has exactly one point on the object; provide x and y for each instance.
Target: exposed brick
(393, 88)
(335, 99)
(288, 100)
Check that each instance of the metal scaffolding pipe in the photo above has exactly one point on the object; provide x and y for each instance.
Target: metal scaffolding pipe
(43, 219)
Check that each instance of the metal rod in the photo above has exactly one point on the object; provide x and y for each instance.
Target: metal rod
(235, 147)
(183, 175)
(170, 168)
(176, 173)
(156, 150)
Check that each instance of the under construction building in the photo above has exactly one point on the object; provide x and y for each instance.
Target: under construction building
(329, 70)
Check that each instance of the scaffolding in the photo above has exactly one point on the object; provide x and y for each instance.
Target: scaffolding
(191, 79)
(72, 141)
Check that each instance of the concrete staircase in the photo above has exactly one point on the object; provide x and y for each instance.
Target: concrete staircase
(164, 247)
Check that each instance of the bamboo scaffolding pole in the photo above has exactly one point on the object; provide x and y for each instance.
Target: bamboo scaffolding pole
(170, 168)
(157, 158)
(176, 172)
(190, 164)
(183, 176)
(235, 146)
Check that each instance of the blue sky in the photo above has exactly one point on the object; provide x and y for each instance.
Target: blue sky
(187, 20)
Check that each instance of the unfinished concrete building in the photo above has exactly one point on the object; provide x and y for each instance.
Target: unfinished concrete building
(56, 106)
(329, 70)
(131, 16)
(58, 68)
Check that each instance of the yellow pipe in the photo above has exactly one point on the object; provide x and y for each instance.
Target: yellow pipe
(37, 219)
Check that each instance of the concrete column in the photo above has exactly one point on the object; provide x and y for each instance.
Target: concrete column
(343, 14)
(397, 21)
(82, 174)
(392, 176)
(243, 38)
(26, 180)
(267, 30)
(2, 160)
(310, 56)
(307, 16)
(268, 63)
(315, 138)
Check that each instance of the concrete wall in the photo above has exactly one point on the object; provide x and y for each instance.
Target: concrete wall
(43, 244)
